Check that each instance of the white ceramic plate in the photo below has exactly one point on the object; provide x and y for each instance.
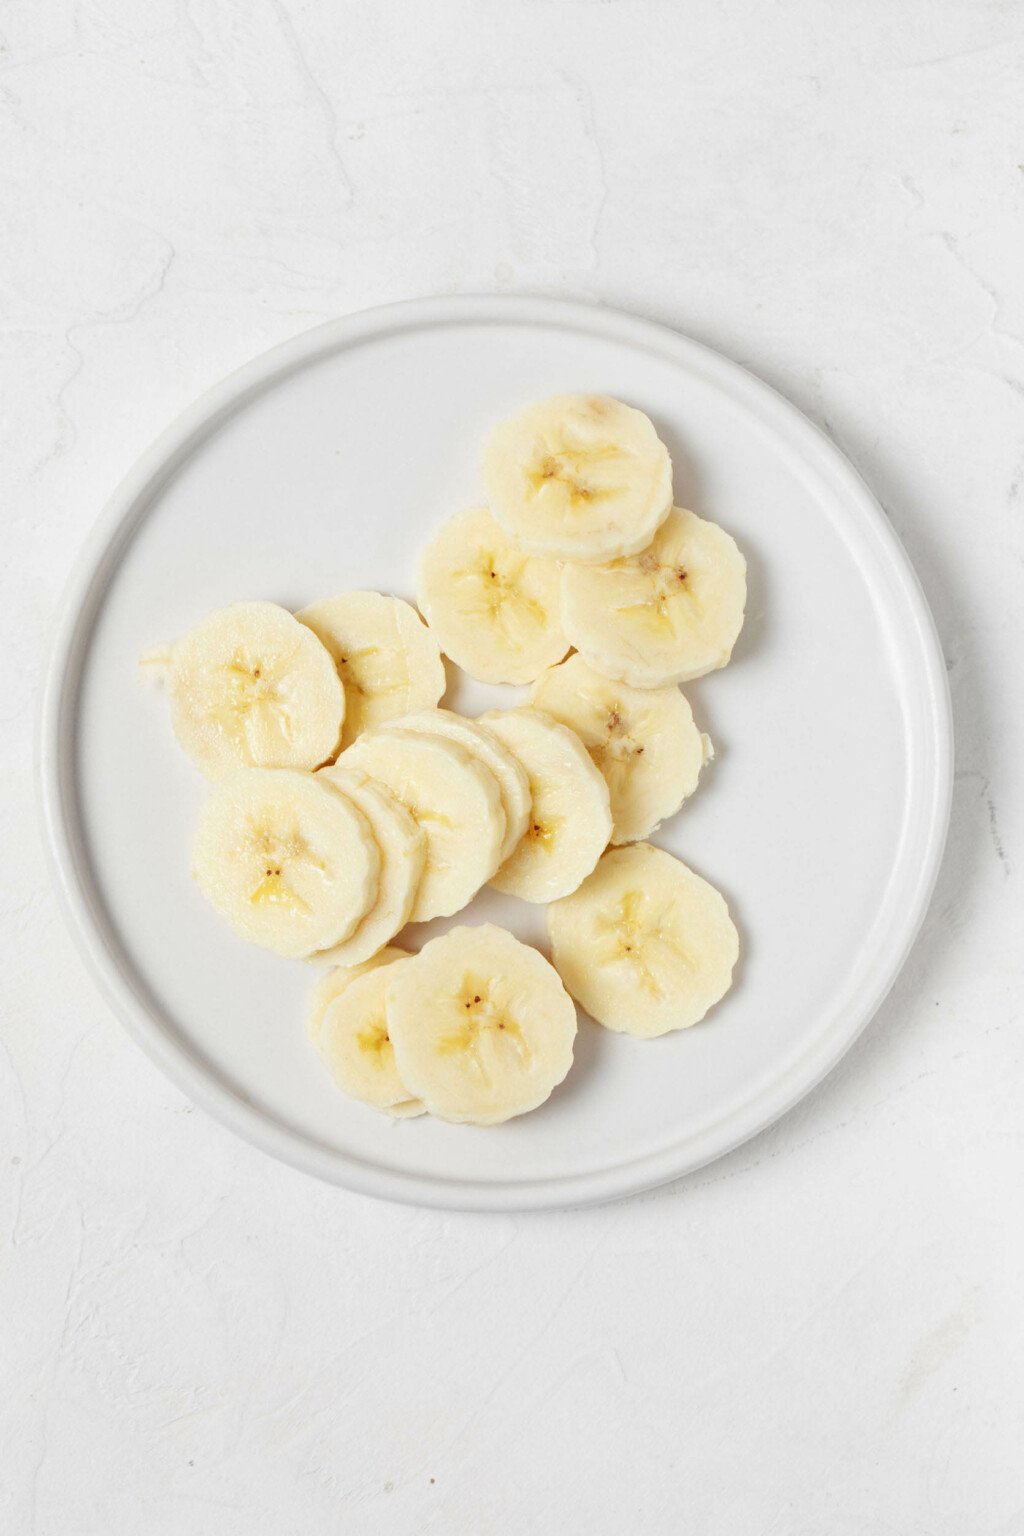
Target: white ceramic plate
(324, 465)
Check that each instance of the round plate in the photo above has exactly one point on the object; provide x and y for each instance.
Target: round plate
(324, 465)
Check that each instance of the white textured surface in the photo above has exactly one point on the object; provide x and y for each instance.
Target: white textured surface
(821, 1333)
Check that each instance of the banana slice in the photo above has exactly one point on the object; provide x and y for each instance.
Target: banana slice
(580, 477)
(666, 615)
(643, 740)
(250, 687)
(333, 983)
(481, 1025)
(570, 822)
(389, 661)
(288, 861)
(480, 742)
(355, 1044)
(403, 852)
(645, 945)
(493, 607)
(453, 797)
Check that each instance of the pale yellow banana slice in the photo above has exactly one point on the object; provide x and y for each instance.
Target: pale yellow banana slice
(493, 607)
(288, 861)
(480, 742)
(354, 1042)
(389, 661)
(481, 1026)
(671, 613)
(643, 740)
(403, 852)
(645, 945)
(570, 821)
(334, 981)
(453, 797)
(578, 477)
(250, 687)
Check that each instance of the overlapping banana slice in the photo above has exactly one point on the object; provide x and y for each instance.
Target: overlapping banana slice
(389, 661)
(403, 850)
(666, 615)
(289, 862)
(493, 607)
(481, 742)
(353, 1039)
(333, 983)
(644, 945)
(643, 740)
(570, 820)
(250, 687)
(453, 797)
(481, 1025)
(580, 547)
(578, 477)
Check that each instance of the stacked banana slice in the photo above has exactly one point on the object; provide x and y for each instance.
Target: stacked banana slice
(346, 803)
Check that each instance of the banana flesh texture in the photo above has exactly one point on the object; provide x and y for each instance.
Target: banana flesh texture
(570, 820)
(389, 661)
(250, 687)
(643, 741)
(402, 846)
(333, 983)
(666, 615)
(644, 945)
(493, 607)
(354, 1042)
(291, 864)
(578, 477)
(452, 797)
(482, 1027)
(481, 743)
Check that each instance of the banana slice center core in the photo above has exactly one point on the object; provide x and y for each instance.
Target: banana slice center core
(669, 582)
(619, 744)
(496, 591)
(364, 674)
(544, 832)
(376, 1041)
(484, 1026)
(571, 466)
(272, 852)
(250, 688)
(634, 935)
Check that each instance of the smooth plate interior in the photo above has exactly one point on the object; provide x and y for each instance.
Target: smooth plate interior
(324, 466)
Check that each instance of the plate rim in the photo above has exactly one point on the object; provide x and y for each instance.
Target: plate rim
(82, 597)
